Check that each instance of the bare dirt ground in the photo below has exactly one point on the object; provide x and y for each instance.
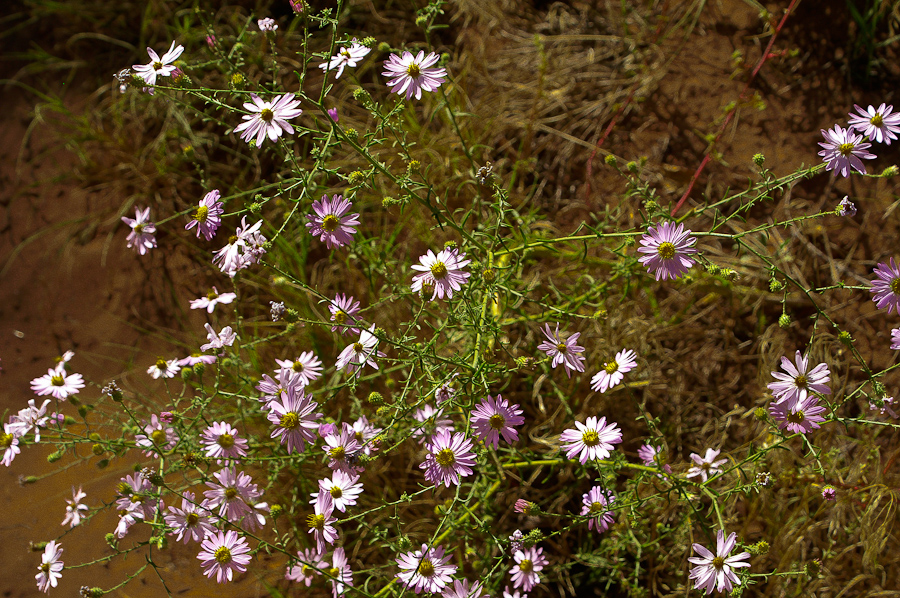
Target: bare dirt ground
(67, 282)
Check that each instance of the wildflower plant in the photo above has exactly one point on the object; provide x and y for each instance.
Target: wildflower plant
(361, 406)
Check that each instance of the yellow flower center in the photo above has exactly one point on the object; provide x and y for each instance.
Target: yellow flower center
(201, 214)
(266, 115)
(562, 348)
(666, 250)
(57, 380)
(497, 421)
(316, 522)
(232, 239)
(192, 519)
(439, 270)
(426, 568)
(158, 437)
(413, 70)
(330, 223)
(223, 555)
(212, 295)
(226, 441)
(801, 381)
(895, 286)
(334, 572)
(337, 452)
(157, 66)
(139, 228)
(525, 565)
(597, 507)
(298, 366)
(718, 562)
(6, 440)
(611, 367)
(796, 418)
(358, 347)
(231, 493)
(289, 420)
(846, 148)
(340, 317)
(336, 492)
(445, 457)
(590, 438)
(877, 120)
(161, 364)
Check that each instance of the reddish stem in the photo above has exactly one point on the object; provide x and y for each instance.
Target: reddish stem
(765, 56)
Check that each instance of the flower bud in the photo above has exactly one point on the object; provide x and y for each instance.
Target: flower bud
(98, 449)
(784, 320)
(54, 457)
(759, 159)
(611, 160)
(375, 398)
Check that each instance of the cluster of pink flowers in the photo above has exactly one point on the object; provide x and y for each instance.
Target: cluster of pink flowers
(845, 149)
(796, 407)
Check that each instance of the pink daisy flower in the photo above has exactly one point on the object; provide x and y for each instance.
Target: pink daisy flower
(433, 421)
(223, 553)
(268, 119)
(207, 217)
(141, 237)
(647, 454)
(493, 418)
(614, 371)
(802, 419)
(267, 25)
(528, 563)
(878, 125)
(271, 389)
(792, 388)
(307, 367)
(136, 495)
(233, 495)
(895, 339)
(158, 67)
(591, 440)
(9, 445)
(331, 222)
(442, 272)
(449, 457)
(191, 521)
(596, 504)
(843, 149)
(321, 523)
(244, 249)
(846, 207)
(887, 287)
(666, 250)
(425, 570)
(883, 405)
(342, 577)
(346, 57)
(195, 358)
(462, 589)
(162, 368)
(343, 487)
(157, 437)
(75, 508)
(58, 383)
(342, 449)
(212, 299)
(365, 433)
(412, 74)
(566, 352)
(706, 466)
(294, 419)
(221, 442)
(50, 569)
(829, 493)
(717, 570)
(219, 340)
(343, 311)
(30, 418)
(361, 353)
(305, 570)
